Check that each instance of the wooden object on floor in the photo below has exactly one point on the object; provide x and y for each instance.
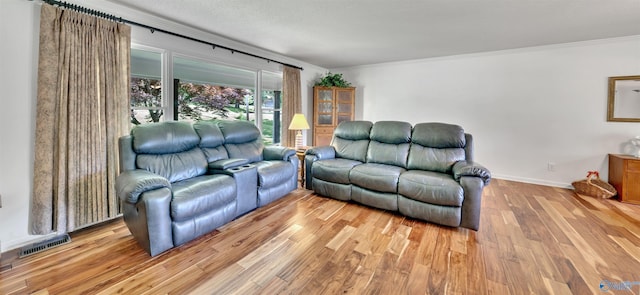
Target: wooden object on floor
(300, 153)
(331, 106)
(532, 240)
(624, 175)
(594, 186)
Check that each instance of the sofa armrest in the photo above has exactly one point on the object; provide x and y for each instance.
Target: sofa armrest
(274, 152)
(469, 168)
(322, 152)
(130, 184)
(225, 164)
(311, 156)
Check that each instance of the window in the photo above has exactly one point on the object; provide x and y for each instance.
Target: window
(204, 90)
(208, 91)
(146, 87)
(271, 106)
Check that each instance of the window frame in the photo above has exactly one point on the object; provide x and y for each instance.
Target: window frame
(167, 80)
(163, 89)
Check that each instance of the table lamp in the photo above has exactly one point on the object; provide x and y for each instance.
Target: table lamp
(299, 123)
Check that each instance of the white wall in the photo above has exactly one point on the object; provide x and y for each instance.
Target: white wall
(525, 107)
(19, 26)
(18, 69)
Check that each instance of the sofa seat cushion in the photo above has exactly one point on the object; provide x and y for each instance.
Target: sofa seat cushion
(273, 173)
(198, 195)
(334, 170)
(377, 177)
(431, 187)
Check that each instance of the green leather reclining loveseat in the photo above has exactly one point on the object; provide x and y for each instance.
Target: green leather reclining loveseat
(179, 181)
(426, 171)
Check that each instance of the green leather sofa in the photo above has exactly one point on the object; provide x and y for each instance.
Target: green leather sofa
(426, 171)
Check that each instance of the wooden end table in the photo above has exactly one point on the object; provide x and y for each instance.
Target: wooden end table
(300, 153)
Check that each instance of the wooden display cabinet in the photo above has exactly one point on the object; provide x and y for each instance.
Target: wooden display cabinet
(331, 106)
(624, 175)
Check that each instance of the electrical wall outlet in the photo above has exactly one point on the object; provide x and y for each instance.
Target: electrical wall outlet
(551, 166)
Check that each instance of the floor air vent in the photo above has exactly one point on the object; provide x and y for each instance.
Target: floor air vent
(45, 245)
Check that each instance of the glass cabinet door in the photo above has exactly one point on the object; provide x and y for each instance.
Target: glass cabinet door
(325, 107)
(331, 106)
(344, 105)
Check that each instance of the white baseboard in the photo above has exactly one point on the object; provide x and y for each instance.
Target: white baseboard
(533, 181)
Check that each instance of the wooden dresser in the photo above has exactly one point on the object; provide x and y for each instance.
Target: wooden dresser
(624, 175)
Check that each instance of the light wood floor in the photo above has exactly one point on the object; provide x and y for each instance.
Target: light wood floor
(532, 240)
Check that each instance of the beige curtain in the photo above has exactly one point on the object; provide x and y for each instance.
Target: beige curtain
(82, 109)
(291, 103)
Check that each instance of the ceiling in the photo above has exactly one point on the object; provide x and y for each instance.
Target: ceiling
(341, 33)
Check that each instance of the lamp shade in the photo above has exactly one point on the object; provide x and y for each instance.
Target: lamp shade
(299, 122)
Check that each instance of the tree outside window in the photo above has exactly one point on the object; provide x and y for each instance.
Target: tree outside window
(207, 102)
(146, 100)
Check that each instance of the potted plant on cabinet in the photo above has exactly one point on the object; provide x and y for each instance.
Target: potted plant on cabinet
(333, 80)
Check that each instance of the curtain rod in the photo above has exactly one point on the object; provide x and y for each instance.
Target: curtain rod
(154, 29)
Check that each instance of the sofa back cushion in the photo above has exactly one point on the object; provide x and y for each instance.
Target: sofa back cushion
(211, 140)
(242, 140)
(436, 147)
(169, 149)
(351, 140)
(390, 142)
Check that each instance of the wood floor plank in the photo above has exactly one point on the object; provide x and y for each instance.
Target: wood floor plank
(399, 240)
(366, 270)
(259, 273)
(531, 270)
(475, 264)
(556, 288)
(218, 280)
(631, 249)
(517, 279)
(275, 286)
(428, 244)
(404, 266)
(343, 271)
(341, 237)
(611, 213)
(494, 269)
(440, 266)
(544, 262)
(268, 247)
(457, 273)
(328, 209)
(300, 271)
(270, 267)
(495, 288)
(381, 275)
(571, 276)
(532, 240)
(586, 271)
(576, 238)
